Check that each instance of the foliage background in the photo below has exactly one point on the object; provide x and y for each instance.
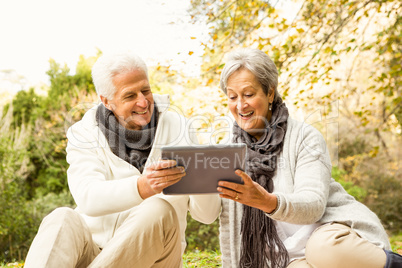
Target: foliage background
(340, 70)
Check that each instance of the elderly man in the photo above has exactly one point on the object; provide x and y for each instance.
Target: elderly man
(116, 177)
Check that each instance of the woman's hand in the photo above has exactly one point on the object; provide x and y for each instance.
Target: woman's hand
(250, 193)
(158, 176)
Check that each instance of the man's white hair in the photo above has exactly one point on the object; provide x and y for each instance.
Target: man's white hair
(109, 65)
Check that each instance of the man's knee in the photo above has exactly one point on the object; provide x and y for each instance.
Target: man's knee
(62, 217)
(62, 214)
(162, 210)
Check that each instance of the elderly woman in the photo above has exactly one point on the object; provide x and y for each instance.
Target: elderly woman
(289, 212)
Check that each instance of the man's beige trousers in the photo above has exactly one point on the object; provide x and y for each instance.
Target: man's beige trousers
(338, 246)
(148, 237)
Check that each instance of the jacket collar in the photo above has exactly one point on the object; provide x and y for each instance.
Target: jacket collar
(162, 101)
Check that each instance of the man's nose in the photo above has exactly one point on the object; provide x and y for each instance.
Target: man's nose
(142, 101)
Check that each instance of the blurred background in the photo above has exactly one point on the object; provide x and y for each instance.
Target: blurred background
(340, 70)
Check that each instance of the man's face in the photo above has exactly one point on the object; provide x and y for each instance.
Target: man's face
(133, 102)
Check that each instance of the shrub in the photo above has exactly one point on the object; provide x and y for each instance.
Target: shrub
(201, 236)
(385, 199)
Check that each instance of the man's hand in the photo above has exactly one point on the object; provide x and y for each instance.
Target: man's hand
(158, 176)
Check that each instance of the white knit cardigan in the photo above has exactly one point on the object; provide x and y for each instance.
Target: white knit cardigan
(104, 186)
(307, 194)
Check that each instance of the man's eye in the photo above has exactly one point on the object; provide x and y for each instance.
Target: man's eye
(129, 96)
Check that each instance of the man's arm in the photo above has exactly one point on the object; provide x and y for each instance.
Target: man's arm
(205, 208)
(95, 191)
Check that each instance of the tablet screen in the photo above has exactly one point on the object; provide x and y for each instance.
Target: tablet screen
(205, 166)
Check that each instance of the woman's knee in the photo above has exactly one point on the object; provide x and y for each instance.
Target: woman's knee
(337, 245)
(327, 243)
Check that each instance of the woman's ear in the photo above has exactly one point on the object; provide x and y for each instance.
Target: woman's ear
(271, 95)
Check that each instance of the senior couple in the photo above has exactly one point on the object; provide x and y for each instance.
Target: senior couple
(289, 215)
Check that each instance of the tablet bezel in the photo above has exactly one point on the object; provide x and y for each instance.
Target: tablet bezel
(204, 178)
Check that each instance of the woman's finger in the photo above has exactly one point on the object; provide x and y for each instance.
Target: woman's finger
(236, 186)
(246, 178)
(226, 191)
(230, 185)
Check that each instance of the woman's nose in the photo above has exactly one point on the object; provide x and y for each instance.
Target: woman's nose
(241, 104)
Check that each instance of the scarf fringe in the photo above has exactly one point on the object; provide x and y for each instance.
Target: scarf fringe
(261, 246)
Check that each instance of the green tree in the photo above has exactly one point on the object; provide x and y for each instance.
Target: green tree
(340, 57)
(312, 47)
(33, 166)
(15, 225)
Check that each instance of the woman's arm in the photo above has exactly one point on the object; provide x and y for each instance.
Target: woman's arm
(306, 203)
(303, 198)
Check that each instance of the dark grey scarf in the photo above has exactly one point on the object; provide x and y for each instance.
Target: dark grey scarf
(133, 146)
(260, 241)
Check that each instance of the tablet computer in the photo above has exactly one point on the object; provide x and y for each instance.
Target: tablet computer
(205, 166)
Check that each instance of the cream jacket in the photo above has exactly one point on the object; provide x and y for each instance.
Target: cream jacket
(307, 195)
(104, 186)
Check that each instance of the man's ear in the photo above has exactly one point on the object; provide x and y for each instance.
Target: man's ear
(106, 102)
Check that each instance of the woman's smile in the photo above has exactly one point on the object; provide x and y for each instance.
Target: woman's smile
(246, 115)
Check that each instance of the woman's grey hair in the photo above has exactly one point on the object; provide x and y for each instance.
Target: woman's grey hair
(108, 66)
(258, 63)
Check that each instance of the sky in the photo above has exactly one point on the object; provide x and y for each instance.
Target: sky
(32, 32)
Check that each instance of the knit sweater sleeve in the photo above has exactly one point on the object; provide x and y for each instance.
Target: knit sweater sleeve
(303, 183)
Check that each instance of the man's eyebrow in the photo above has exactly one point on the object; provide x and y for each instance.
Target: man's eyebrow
(129, 92)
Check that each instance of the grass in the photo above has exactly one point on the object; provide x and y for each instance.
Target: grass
(202, 259)
(396, 243)
(12, 264)
(209, 259)
(190, 259)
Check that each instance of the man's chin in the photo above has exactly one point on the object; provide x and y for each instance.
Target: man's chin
(137, 125)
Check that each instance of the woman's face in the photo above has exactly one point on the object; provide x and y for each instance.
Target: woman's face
(133, 102)
(248, 103)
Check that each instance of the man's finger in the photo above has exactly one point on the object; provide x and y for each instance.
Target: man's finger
(167, 172)
(163, 164)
